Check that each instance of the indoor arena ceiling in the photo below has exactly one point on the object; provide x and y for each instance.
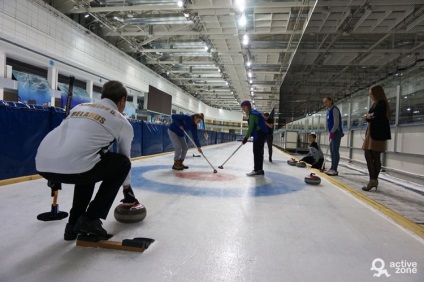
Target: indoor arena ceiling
(279, 53)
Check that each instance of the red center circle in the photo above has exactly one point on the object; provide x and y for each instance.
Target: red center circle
(209, 176)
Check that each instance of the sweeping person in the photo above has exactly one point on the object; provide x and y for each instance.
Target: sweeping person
(258, 129)
(77, 152)
(181, 123)
(377, 134)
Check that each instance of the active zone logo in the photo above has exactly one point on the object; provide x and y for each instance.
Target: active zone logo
(397, 267)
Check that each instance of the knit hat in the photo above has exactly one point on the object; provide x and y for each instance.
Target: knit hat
(246, 103)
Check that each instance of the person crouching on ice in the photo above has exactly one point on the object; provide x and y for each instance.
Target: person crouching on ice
(257, 129)
(181, 123)
(315, 156)
(77, 152)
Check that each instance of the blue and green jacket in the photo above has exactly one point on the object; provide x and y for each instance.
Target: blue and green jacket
(256, 124)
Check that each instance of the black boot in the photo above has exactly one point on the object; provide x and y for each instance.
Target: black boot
(69, 235)
(129, 197)
(85, 225)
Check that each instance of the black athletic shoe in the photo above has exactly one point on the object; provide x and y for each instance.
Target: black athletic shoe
(86, 225)
(270, 159)
(69, 235)
(256, 172)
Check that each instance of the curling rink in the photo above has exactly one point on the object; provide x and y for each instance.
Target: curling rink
(209, 226)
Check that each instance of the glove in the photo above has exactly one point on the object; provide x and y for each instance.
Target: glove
(54, 186)
(331, 135)
(129, 197)
(244, 141)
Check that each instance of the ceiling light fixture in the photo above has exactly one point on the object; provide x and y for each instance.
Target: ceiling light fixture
(240, 5)
(242, 20)
(245, 39)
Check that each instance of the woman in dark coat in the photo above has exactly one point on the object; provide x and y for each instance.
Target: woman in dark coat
(378, 132)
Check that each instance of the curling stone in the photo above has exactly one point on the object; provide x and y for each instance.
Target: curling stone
(127, 214)
(312, 179)
(292, 162)
(301, 164)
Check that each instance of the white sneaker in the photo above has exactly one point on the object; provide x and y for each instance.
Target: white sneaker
(332, 172)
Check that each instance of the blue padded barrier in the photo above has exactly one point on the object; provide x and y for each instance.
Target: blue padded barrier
(22, 130)
(201, 134)
(219, 139)
(22, 127)
(210, 140)
(212, 137)
(57, 116)
(152, 139)
(22, 105)
(136, 145)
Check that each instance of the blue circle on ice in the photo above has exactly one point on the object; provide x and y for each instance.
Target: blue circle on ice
(162, 179)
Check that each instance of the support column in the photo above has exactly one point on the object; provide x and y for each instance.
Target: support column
(350, 140)
(2, 71)
(52, 76)
(397, 111)
(89, 89)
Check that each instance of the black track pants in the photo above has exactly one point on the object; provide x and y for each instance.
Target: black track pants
(112, 170)
(258, 151)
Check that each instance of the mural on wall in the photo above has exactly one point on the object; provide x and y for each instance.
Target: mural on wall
(79, 95)
(160, 119)
(33, 89)
(129, 110)
(96, 96)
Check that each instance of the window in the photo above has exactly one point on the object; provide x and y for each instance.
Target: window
(359, 108)
(411, 102)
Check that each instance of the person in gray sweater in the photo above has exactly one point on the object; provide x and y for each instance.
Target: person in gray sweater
(315, 156)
